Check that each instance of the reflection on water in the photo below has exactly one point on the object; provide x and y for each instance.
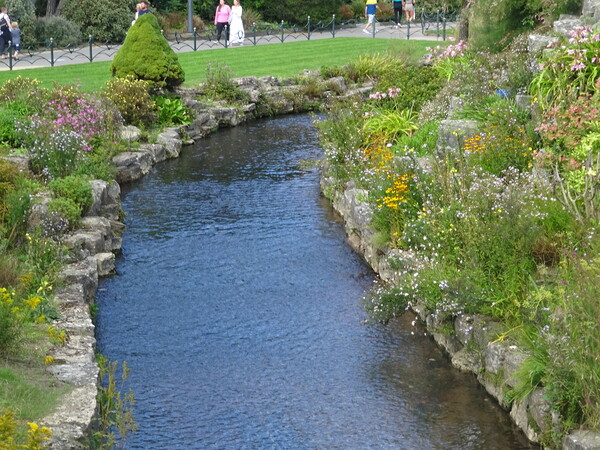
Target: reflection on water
(237, 308)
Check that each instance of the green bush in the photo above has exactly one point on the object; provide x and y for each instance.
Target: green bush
(105, 20)
(18, 88)
(23, 13)
(146, 55)
(219, 84)
(11, 112)
(132, 99)
(11, 323)
(17, 204)
(67, 209)
(63, 32)
(73, 188)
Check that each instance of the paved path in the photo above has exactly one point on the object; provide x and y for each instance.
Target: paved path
(106, 53)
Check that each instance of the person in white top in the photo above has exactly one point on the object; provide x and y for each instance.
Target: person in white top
(236, 26)
(5, 28)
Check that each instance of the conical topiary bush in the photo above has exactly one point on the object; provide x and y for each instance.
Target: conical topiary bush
(146, 55)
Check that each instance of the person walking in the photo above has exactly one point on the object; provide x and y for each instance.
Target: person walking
(222, 19)
(5, 36)
(143, 9)
(236, 26)
(138, 8)
(397, 12)
(370, 9)
(16, 39)
(409, 8)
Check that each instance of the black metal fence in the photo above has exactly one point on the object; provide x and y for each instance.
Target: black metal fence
(433, 26)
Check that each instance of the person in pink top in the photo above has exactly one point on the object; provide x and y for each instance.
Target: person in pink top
(222, 18)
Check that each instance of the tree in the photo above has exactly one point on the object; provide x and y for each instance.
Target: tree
(23, 12)
(105, 20)
(146, 55)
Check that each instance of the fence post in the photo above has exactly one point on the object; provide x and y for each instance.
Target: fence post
(309, 28)
(51, 52)
(227, 35)
(10, 55)
(282, 36)
(90, 47)
(408, 29)
(195, 35)
(444, 28)
(254, 33)
(333, 27)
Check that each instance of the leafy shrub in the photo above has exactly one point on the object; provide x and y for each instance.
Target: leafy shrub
(33, 439)
(373, 66)
(573, 339)
(345, 12)
(66, 209)
(74, 188)
(22, 12)
(146, 55)
(172, 111)
(341, 141)
(570, 70)
(8, 176)
(132, 99)
(358, 9)
(16, 206)
(18, 88)
(448, 59)
(385, 13)
(56, 153)
(8, 135)
(66, 127)
(389, 124)
(251, 17)
(311, 87)
(423, 141)
(332, 71)
(174, 20)
(63, 32)
(11, 323)
(219, 84)
(105, 21)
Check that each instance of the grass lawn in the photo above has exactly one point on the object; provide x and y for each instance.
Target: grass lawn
(279, 60)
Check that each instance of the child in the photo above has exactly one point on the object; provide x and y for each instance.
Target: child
(16, 39)
(370, 10)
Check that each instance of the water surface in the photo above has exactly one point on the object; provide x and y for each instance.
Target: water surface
(237, 308)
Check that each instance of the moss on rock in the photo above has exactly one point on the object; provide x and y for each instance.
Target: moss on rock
(146, 55)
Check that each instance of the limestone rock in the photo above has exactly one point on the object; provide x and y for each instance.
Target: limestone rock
(538, 42)
(591, 8)
(171, 141)
(20, 161)
(452, 135)
(105, 263)
(85, 273)
(582, 440)
(566, 23)
(130, 133)
(132, 165)
(157, 152)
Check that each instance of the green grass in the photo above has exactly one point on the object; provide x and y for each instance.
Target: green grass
(28, 391)
(279, 60)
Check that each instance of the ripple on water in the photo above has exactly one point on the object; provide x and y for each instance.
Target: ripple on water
(237, 308)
